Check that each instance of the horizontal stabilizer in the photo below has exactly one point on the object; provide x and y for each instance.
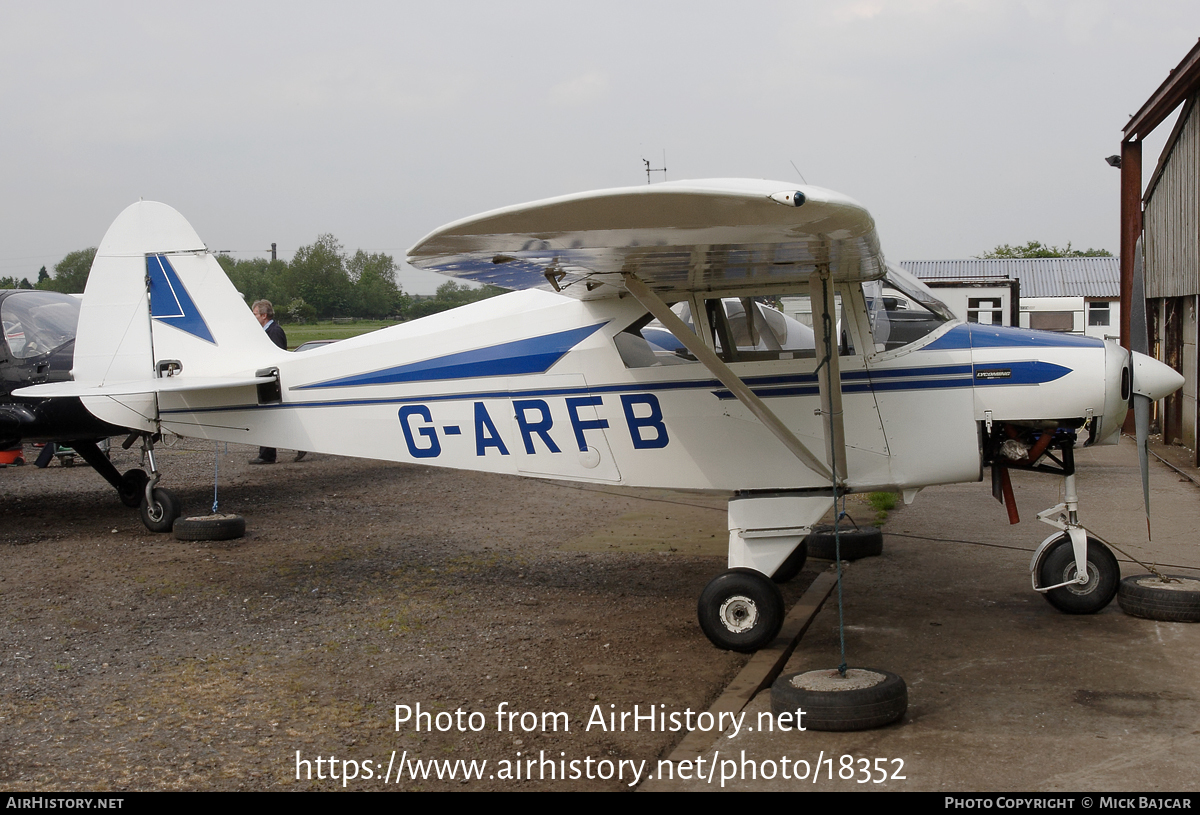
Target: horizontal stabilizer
(171, 384)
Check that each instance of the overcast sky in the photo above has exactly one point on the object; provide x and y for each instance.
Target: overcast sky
(959, 125)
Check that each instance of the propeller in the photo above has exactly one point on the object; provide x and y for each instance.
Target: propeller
(1139, 343)
(1151, 380)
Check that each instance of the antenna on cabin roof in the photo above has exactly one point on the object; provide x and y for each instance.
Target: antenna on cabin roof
(797, 169)
(662, 169)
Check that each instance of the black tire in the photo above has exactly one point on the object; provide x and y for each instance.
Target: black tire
(855, 543)
(857, 707)
(791, 567)
(1144, 595)
(133, 488)
(19, 462)
(160, 515)
(210, 528)
(740, 610)
(1058, 566)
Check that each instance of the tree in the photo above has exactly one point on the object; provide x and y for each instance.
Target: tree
(1035, 249)
(376, 293)
(298, 311)
(255, 278)
(317, 274)
(42, 275)
(70, 273)
(13, 283)
(450, 294)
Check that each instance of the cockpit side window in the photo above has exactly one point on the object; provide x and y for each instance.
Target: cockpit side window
(743, 329)
(37, 323)
(747, 329)
(902, 310)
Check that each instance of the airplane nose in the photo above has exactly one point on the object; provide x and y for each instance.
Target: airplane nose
(1154, 379)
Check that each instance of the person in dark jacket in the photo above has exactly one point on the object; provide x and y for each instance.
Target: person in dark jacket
(264, 312)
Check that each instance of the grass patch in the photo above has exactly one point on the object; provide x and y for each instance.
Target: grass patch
(298, 334)
(882, 503)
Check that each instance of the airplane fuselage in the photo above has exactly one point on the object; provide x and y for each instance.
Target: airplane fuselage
(550, 393)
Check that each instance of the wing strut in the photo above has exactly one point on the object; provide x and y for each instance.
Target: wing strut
(728, 378)
(829, 372)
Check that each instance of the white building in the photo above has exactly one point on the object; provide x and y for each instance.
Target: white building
(1079, 295)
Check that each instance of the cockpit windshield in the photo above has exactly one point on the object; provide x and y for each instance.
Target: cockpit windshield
(38, 322)
(902, 310)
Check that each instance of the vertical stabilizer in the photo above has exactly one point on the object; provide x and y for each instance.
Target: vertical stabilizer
(155, 293)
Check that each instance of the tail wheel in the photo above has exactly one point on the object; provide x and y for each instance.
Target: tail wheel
(740, 610)
(1058, 566)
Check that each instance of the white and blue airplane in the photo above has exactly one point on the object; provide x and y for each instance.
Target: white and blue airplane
(638, 351)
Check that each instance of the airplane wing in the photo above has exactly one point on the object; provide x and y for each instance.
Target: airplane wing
(709, 235)
(678, 237)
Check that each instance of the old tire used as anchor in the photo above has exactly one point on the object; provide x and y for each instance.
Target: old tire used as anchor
(1177, 601)
(740, 610)
(210, 528)
(864, 698)
(854, 543)
(1058, 566)
(160, 513)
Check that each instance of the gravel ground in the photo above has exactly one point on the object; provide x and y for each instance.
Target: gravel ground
(132, 661)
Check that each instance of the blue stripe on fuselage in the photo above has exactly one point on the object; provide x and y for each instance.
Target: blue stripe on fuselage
(927, 377)
(529, 356)
(974, 335)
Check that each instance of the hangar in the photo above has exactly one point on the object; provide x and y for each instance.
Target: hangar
(1167, 214)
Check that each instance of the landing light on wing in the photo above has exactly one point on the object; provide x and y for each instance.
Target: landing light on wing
(791, 198)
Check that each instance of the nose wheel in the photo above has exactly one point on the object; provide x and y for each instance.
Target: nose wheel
(160, 509)
(1058, 568)
(158, 506)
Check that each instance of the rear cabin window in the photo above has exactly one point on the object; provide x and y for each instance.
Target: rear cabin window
(648, 344)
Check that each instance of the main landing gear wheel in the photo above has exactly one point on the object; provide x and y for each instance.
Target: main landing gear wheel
(133, 488)
(1144, 595)
(740, 610)
(865, 698)
(855, 543)
(791, 567)
(1058, 566)
(160, 513)
(210, 528)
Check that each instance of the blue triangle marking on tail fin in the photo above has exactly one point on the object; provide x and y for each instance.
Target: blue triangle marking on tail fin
(170, 302)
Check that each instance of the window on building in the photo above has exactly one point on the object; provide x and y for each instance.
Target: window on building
(1052, 320)
(984, 310)
(1099, 313)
